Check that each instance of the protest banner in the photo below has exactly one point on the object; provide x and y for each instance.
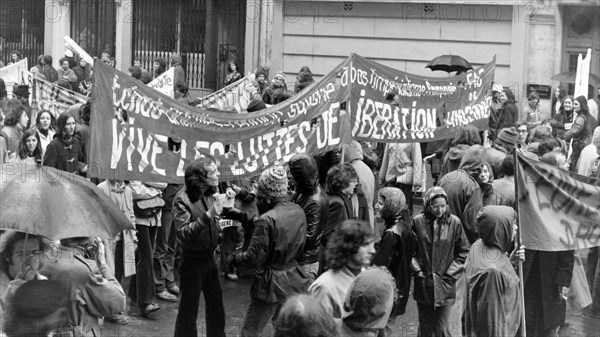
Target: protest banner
(164, 83)
(312, 121)
(138, 149)
(54, 98)
(428, 108)
(15, 74)
(234, 95)
(559, 210)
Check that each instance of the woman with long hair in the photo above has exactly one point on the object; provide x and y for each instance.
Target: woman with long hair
(233, 73)
(442, 248)
(29, 151)
(563, 120)
(159, 67)
(509, 112)
(558, 96)
(64, 151)
(582, 130)
(14, 124)
(44, 125)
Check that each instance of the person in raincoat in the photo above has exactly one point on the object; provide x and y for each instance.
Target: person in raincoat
(465, 197)
(396, 248)
(439, 262)
(493, 298)
(368, 304)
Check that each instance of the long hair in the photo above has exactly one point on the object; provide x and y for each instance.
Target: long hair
(561, 96)
(345, 242)
(3, 92)
(162, 66)
(510, 95)
(14, 116)
(61, 122)
(39, 118)
(23, 152)
(467, 135)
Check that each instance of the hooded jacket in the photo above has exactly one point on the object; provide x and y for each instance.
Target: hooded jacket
(354, 156)
(64, 154)
(313, 200)
(465, 197)
(368, 304)
(493, 297)
(453, 157)
(397, 245)
(176, 61)
(440, 253)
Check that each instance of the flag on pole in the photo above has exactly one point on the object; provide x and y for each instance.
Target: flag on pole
(559, 210)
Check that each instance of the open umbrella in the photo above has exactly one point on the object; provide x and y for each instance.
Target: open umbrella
(56, 204)
(449, 63)
(570, 77)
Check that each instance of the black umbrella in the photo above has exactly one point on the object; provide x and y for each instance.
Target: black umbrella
(449, 63)
(56, 204)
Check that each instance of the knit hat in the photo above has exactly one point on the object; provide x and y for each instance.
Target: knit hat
(68, 53)
(305, 76)
(273, 182)
(260, 71)
(279, 75)
(508, 135)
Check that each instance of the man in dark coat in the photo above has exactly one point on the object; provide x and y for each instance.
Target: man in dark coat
(465, 197)
(177, 61)
(313, 200)
(277, 242)
(493, 298)
(195, 212)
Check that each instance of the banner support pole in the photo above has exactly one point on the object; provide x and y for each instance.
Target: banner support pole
(519, 239)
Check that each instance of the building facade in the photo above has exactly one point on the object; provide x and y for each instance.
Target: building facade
(531, 40)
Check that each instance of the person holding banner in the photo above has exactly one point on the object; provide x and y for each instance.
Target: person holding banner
(493, 302)
(233, 73)
(547, 276)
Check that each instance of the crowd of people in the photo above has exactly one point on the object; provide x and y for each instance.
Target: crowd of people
(332, 240)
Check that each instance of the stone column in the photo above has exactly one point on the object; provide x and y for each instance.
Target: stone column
(57, 24)
(124, 35)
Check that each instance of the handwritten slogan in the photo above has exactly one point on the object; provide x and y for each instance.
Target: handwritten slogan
(313, 121)
(138, 148)
(559, 210)
(423, 109)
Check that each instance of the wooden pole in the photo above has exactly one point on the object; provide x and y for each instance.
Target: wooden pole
(519, 240)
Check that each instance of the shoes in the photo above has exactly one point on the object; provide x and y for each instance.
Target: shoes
(166, 296)
(174, 290)
(150, 308)
(231, 277)
(588, 312)
(118, 319)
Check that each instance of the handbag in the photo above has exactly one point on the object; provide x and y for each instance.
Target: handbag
(147, 208)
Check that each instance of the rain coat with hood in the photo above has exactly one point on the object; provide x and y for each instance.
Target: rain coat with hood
(368, 304)
(440, 255)
(397, 245)
(313, 200)
(176, 62)
(465, 197)
(493, 298)
(452, 159)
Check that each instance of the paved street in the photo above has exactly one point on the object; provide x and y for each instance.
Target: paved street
(236, 296)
